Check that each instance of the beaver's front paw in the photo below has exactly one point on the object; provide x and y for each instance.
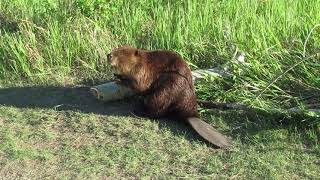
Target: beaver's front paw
(120, 79)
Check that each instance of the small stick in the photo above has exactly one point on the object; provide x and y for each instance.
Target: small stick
(216, 105)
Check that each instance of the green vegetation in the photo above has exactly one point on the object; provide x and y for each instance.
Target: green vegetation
(49, 127)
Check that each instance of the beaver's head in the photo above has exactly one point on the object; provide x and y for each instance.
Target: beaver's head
(125, 59)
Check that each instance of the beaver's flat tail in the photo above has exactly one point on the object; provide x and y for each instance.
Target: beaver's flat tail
(209, 133)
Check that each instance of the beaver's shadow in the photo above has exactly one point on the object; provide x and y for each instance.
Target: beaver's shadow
(61, 99)
(80, 99)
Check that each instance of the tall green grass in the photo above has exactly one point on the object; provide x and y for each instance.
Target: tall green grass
(63, 37)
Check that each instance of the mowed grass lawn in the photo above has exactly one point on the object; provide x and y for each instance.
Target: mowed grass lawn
(51, 52)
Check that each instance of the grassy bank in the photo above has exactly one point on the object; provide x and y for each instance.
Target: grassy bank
(47, 47)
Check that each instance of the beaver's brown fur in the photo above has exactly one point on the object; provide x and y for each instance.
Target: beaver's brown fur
(162, 78)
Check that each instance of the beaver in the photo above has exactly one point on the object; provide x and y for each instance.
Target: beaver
(163, 79)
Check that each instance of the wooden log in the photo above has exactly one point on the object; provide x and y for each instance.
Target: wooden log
(111, 91)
